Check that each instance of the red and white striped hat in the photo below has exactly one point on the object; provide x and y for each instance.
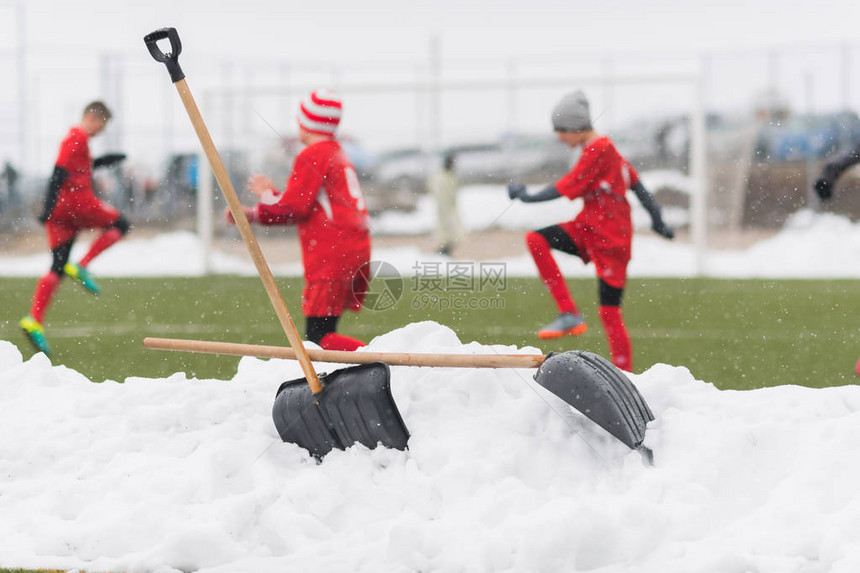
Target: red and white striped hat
(320, 112)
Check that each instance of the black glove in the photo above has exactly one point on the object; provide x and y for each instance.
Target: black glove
(662, 229)
(516, 191)
(108, 160)
(824, 188)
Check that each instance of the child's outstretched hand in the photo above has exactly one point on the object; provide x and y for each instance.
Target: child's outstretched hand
(662, 229)
(259, 184)
(516, 191)
(108, 160)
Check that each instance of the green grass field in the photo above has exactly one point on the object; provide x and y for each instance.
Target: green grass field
(737, 334)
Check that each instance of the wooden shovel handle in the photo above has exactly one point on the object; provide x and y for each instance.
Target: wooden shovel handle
(342, 357)
(248, 235)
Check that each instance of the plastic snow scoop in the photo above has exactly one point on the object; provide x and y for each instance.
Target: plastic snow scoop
(333, 423)
(586, 381)
(350, 405)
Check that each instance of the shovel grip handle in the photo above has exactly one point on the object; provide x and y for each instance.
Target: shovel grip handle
(171, 58)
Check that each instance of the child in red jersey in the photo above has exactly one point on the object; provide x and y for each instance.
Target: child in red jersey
(323, 199)
(70, 206)
(601, 232)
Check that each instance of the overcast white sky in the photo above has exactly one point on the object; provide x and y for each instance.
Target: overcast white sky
(354, 30)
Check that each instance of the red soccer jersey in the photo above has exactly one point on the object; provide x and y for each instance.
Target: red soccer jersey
(601, 177)
(76, 206)
(323, 199)
(603, 230)
(74, 157)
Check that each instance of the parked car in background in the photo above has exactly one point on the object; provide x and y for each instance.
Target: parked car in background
(653, 142)
(514, 158)
(405, 169)
(278, 157)
(401, 175)
(810, 136)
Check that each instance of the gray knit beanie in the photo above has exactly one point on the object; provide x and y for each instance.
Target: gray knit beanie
(572, 113)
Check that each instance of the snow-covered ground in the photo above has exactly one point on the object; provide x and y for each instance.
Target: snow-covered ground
(179, 474)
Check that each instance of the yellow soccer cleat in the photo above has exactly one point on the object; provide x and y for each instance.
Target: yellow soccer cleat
(35, 334)
(83, 276)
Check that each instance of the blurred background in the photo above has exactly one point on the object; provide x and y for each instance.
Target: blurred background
(738, 106)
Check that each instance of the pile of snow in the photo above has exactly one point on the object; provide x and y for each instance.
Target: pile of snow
(810, 245)
(179, 474)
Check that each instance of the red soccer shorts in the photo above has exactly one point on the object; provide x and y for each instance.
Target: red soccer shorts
(331, 298)
(610, 261)
(71, 214)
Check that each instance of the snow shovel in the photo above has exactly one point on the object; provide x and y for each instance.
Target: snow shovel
(586, 381)
(320, 413)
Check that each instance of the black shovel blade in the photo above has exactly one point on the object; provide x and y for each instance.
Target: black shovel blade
(354, 406)
(600, 391)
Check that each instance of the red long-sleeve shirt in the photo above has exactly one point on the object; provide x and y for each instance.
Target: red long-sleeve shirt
(323, 199)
